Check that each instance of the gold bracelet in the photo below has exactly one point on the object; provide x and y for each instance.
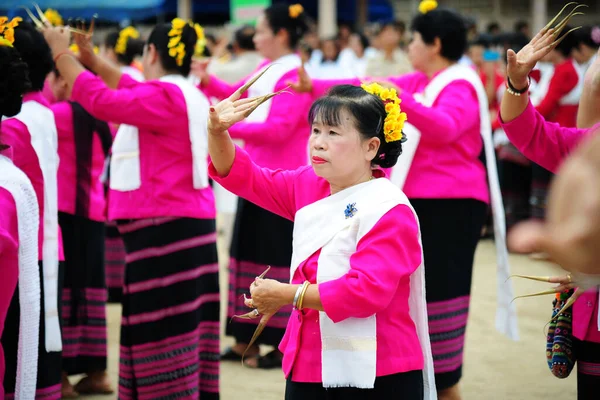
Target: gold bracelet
(305, 286)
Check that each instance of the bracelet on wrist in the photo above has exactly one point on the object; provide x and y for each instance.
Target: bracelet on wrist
(514, 91)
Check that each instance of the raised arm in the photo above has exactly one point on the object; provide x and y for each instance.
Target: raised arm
(545, 143)
(232, 167)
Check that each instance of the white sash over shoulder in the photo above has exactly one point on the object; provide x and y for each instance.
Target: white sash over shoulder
(19, 186)
(506, 314)
(125, 173)
(349, 347)
(40, 123)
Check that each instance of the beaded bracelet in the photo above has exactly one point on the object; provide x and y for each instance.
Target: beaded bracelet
(514, 91)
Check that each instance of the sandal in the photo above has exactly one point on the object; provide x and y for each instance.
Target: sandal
(268, 361)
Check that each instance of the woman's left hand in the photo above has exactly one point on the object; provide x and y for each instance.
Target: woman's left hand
(267, 295)
(58, 38)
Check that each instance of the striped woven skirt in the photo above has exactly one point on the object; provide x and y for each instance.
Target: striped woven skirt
(84, 295)
(170, 323)
(450, 231)
(114, 261)
(49, 364)
(588, 369)
(260, 238)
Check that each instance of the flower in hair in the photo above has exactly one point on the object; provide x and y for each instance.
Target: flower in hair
(176, 46)
(427, 5)
(395, 119)
(53, 17)
(296, 10)
(128, 33)
(201, 41)
(7, 30)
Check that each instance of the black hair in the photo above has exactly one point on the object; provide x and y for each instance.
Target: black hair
(493, 26)
(35, 52)
(399, 26)
(568, 44)
(588, 36)
(520, 25)
(368, 112)
(135, 47)
(484, 41)
(279, 18)
(243, 37)
(14, 81)
(160, 39)
(448, 26)
(364, 40)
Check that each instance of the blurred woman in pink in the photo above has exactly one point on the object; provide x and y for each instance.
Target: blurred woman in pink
(164, 208)
(19, 223)
(276, 136)
(83, 146)
(31, 134)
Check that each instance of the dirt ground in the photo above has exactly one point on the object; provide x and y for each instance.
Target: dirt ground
(495, 367)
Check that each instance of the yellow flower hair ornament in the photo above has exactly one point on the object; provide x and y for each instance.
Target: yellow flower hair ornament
(296, 10)
(427, 5)
(7, 30)
(395, 119)
(124, 35)
(200, 42)
(54, 17)
(176, 46)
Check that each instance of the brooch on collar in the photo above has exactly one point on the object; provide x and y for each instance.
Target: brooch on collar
(350, 210)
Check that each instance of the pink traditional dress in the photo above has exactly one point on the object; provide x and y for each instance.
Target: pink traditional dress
(548, 144)
(164, 208)
(19, 221)
(32, 136)
(276, 136)
(83, 145)
(344, 243)
(442, 174)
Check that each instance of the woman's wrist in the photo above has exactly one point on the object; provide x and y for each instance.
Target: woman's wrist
(287, 293)
(519, 83)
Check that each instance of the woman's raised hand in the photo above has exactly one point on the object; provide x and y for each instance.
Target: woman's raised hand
(522, 63)
(230, 111)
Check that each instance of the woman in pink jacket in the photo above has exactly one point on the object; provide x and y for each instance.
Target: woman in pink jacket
(19, 220)
(358, 329)
(164, 207)
(548, 144)
(446, 181)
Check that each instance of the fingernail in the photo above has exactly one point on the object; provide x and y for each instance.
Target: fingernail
(212, 109)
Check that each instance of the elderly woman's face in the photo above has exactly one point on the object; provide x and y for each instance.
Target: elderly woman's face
(339, 153)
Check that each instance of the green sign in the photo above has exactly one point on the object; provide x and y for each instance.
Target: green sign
(247, 11)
